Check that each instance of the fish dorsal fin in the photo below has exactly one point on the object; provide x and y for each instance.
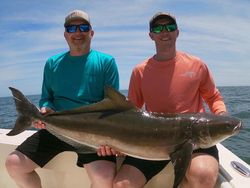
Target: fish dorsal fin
(117, 100)
(113, 100)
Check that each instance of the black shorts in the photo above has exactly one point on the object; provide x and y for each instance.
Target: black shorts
(42, 146)
(151, 168)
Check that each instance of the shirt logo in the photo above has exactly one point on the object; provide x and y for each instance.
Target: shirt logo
(189, 74)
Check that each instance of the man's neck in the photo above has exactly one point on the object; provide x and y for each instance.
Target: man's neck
(165, 53)
(164, 56)
(79, 51)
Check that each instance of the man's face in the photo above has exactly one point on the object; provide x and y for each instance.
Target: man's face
(164, 37)
(78, 39)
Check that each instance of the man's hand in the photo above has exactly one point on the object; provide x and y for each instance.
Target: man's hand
(223, 114)
(40, 124)
(107, 151)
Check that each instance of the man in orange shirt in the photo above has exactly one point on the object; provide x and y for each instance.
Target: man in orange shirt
(173, 82)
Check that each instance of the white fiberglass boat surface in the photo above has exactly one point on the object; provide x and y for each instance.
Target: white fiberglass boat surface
(61, 171)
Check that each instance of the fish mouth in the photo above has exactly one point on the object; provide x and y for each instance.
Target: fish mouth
(237, 127)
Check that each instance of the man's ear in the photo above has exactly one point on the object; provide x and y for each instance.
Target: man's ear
(92, 33)
(177, 34)
(151, 35)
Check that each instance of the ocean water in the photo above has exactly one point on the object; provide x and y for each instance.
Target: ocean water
(237, 100)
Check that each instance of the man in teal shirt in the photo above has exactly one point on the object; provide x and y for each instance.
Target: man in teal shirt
(70, 80)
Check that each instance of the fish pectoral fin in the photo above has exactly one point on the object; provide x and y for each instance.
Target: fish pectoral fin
(181, 159)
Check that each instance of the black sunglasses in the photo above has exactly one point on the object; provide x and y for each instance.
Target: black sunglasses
(82, 28)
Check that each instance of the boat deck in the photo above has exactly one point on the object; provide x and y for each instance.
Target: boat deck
(61, 171)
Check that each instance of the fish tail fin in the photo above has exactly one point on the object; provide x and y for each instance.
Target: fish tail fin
(26, 112)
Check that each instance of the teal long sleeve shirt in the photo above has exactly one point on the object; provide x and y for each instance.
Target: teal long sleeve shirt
(73, 81)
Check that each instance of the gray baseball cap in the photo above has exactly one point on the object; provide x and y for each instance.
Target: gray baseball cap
(76, 15)
(161, 15)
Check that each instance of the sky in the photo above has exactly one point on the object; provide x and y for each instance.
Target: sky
(217, 31)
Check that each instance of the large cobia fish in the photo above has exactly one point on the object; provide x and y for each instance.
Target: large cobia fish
(117, 123)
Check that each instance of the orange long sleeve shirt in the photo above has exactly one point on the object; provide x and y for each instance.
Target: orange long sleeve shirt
(179, 85)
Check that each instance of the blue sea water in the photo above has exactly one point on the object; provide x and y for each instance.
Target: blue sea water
(237, 100)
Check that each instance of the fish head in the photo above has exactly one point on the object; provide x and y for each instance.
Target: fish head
(213, 129)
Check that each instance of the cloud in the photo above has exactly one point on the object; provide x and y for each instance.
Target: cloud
(31, 31)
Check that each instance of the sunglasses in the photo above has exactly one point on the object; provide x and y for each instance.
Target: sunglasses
(159, 28)
(81, 27)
